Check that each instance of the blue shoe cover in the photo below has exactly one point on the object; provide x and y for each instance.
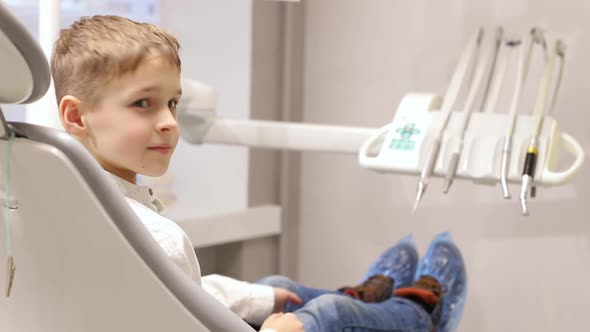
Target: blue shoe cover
(398, 262)
(444, 261)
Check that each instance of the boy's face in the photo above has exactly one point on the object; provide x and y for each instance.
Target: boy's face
(133, 129)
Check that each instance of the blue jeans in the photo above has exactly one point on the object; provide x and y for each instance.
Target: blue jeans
(330, 311)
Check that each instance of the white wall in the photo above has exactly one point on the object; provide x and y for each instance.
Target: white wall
(234, 46)
(360, 57)
(215, 38)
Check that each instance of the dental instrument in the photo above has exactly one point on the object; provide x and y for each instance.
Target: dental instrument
(539, 113)
(552, 108)
(490, 80)
(448, 103)
(553, 102)
(535, 36)
(508, 46)
(468, 109)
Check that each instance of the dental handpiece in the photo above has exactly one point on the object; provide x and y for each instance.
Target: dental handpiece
(528, 173)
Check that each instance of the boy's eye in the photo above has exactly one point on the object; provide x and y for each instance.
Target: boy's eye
(143, 103)
(172, 104)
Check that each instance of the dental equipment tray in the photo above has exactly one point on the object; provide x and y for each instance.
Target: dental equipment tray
(403, 145)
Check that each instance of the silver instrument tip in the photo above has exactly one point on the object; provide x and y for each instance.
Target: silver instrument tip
(451, 171)
(419, 194)
(505, 189)
(523, 205)
(526, 183)
(506, 154)
(447, 185)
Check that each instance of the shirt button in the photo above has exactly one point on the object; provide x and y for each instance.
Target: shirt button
(151, 192)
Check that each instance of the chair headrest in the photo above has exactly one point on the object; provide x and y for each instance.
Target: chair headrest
(24, 69)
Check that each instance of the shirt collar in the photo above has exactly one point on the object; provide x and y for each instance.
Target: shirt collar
(142, 194)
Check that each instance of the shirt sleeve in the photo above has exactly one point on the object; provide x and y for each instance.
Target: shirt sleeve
(251, 302)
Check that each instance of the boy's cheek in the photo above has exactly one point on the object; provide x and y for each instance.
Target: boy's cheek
(123, 142)
(176, 139)
(136, 132)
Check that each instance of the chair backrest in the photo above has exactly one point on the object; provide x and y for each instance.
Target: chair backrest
(84, 262)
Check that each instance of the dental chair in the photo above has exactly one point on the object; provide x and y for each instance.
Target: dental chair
(84, 262)
(84, 266)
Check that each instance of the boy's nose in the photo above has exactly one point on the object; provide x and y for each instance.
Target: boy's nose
(166, 121)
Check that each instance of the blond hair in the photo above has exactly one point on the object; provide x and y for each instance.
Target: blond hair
(96, 49)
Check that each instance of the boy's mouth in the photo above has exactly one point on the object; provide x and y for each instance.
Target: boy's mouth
(164, 149)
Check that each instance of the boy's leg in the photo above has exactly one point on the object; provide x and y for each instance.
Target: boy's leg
(398, 262)
(337, 313)
(435, 300)
(305, 293)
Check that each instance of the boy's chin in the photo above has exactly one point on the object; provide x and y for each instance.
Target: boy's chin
(154, 172)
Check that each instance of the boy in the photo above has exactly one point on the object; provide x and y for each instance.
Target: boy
(118, 83)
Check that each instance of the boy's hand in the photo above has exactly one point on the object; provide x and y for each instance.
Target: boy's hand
(283, 323)
(282, 297)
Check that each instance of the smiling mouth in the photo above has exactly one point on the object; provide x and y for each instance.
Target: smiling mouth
(160, 149)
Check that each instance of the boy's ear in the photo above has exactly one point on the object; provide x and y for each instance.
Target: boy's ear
(70, 115)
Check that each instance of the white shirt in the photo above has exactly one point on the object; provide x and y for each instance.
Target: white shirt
(251, 302)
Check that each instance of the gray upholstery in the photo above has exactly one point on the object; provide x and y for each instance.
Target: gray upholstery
(203, 306)
(30, 51)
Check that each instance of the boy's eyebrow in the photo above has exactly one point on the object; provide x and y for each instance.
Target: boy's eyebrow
(150, 88)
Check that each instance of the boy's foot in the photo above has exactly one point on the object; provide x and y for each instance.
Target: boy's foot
(398, 262)
(427, 292)
(377, 288)
(395, 267)
(441, 283)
